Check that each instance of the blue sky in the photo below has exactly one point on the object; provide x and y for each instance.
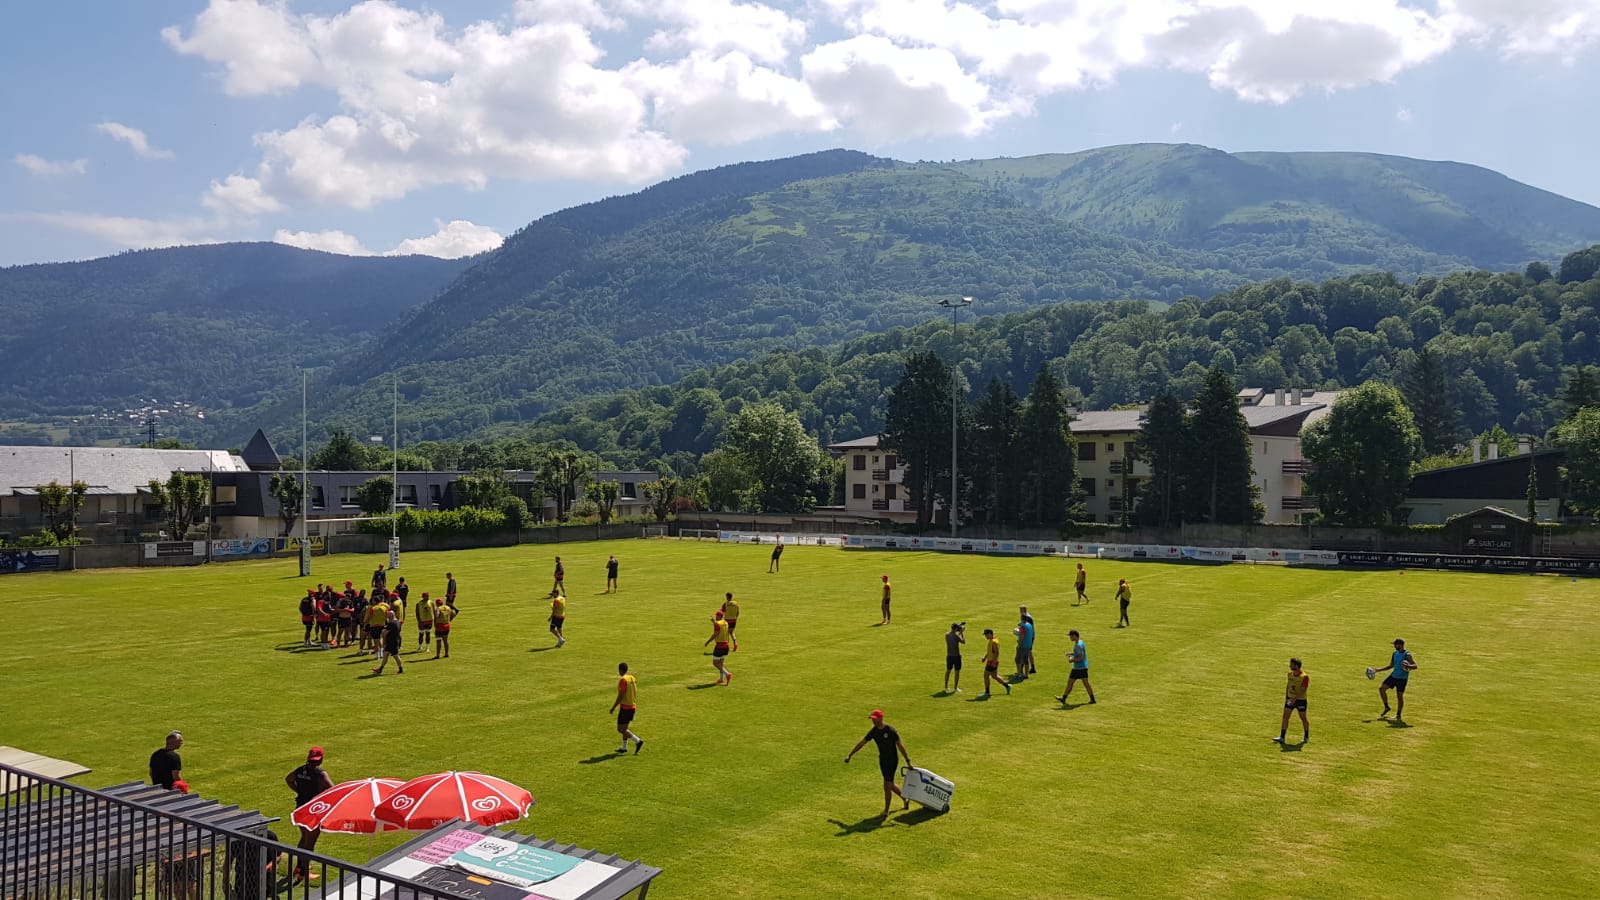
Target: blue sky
(382, 127)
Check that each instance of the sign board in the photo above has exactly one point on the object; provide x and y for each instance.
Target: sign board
(240, 548)
(13, 561)
(471, 864)
(166, 549)
(394, 553)
(292, 544)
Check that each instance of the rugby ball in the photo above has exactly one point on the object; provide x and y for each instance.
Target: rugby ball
(1371, 673)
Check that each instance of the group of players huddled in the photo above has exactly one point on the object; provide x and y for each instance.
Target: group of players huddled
(374, 622)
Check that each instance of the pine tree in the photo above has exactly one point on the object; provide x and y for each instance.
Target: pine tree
(1217, 470)
(1048, 450)
(1162, 437)
(1428, 393)
(997, 478)
(916, 428)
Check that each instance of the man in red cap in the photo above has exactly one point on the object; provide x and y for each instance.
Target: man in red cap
(307, 782)
(890, 749)
(719, 654)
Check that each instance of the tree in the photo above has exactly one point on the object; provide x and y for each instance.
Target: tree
(180, 499)
(1217, 471)
(1580, 437)
(781, 457)
(1361, 455)
(723, 480)
(1162, 438)
(342, 453)
(484, 490)
(59, 504)
(1537, 272)
(1583, 389)
(287, 490)
(997, 477)
(562, 471)
(603, 494)
(1427, 392)
(1533, 490)
(916, 428)
(660, 493)
(1580, 266)
(1049, 452)
(376, 495)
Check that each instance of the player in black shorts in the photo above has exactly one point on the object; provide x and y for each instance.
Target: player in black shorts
(890, 749)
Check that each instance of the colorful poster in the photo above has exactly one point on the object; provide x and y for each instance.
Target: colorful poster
(29, 560)
(516, 863)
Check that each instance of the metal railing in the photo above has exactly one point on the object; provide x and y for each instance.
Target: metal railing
(59, 841)
(1296, 467)
(1305, 503)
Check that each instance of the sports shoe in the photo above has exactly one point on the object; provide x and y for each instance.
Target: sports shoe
(377, 671)
(729, 680)
(956, 691)
(1091, 700)
(622, 749)
(560, 642)
(984, 695)
(1007, 686)
(638, 744)
(1062, 699)
(1277, 740)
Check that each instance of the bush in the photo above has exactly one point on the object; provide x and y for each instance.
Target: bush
(585, 509)
(444, 522)
(515, 511)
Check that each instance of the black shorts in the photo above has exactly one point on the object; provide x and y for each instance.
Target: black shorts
(375, 630)
(424, 626)
(889, 767)
(1289, 703)
(1399, 684)
(720, 651)
(557, 621)
(991, 666)
(952, 663)
(733, 625)
(1079, 674)
(625, 716)
(1124, 603)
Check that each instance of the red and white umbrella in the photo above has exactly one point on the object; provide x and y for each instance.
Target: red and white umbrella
(348, 807)
(432, 800)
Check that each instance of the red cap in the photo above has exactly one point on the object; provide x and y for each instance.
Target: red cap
(885, 578)
(876, 714)
(181, 786)
(315, 755)
(348, 583)
(717, 614)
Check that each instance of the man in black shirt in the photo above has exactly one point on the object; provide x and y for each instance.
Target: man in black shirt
(611, 574)
(890, 749)
(307, 782)
(391, 645)
(166, 766)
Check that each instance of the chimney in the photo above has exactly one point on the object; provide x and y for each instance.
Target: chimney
(1524, 446)
(1294, 397)
(1277, 397)
(1477, 450)
(1494, 449)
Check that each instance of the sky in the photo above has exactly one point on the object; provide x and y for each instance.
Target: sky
(399, 126)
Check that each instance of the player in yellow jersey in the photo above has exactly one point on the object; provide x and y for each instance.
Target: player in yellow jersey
(1080, 582)
(1294, 698)
(719, 653)
(885, 601)
(991, 664)
(558, 616)
(730, 611)
(443, 615)
(424, 622)
(1124, 597)
(628, 699)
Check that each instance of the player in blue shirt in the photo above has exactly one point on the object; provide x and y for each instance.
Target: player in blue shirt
(1401, 665)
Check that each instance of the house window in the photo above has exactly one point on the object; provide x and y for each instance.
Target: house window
(889, 462)
(1087, 484)
(858, 491)
(1111, 447)
(890, 492)
(408, 495)
(226, 493)
(1086, 451)
(1111, 483)
(152, 513)
(1130, 449)
(874, 457)
(436, 494)
(630, 490)
(859, 462)
(349, 495)
(317, 500)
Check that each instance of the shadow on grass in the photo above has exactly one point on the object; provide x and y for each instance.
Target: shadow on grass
(865, 826)
(917, 816)
(1286, 747)
(978, 698)
(703, 687)
(604, 757)
(1399, 723)
(541, 649)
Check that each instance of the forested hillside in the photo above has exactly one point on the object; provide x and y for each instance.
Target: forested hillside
(1505, 341)
(219, 325)
(821, 249)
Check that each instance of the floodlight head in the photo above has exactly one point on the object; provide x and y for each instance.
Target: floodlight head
(949, 303)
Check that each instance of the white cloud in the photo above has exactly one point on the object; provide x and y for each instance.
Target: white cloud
(327, 241)
(126, 231)
(239, 194)
(453, 240)
(134, 138)
(1403, 116)
(46, 168)
(532, 96)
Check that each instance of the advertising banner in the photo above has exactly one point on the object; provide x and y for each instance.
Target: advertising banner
(240, 548)
(174, 548)
(14, 561)
(292, 544)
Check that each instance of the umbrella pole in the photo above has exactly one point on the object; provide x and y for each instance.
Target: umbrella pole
(372, 846)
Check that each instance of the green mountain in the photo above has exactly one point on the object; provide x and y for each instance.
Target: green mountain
(816, 250)
(217, 325)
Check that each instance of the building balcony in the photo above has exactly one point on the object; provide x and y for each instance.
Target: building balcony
(1115, 503)
(1119, 467)
(1299, 503)
(880, 474)
(881, 504)
(1296, 467)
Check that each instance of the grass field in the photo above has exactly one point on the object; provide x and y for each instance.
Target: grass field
(1168, 787)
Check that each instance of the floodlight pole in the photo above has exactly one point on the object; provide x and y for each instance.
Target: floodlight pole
(955, 399)
(394, 483)
(305, 487)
